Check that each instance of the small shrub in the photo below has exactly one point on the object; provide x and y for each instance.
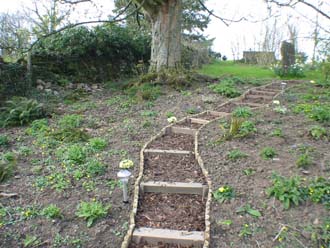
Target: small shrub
(4, 141)
(224, 193)
(98, 144)
(91, 211)
(70, 121)
(51, 212)
(317, 132)
(20, 111)
(242, 112)
(236, 154)
(295, 70)
(268, 153)
(304, 161)
(287, 190)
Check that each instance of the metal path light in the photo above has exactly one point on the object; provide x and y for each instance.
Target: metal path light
(123, 176)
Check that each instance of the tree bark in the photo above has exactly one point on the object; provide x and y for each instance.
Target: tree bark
(166, 34)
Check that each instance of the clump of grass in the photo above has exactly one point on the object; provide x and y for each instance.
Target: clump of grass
(91, 211)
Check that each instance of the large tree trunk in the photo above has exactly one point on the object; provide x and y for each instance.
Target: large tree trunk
(166, 34)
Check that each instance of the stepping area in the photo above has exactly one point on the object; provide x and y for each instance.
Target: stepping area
(172, 195)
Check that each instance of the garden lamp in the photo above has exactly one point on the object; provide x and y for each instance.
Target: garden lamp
(283, 85)
(123, 176)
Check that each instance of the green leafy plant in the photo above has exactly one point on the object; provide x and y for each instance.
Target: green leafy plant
(280, 109)
(149, 113)
(226, 89)
(245, 231)
(287, 190)
(38, 127)
(70, 121)
(51, 212)
(224, 193)
(98, 144)
(249, 210)
(247, 128)
(20, 111)
(95, 168)
(69, 135)
(277, 133)
(76, 154)
(268, 153)
(7, 165)
(319, 191)
(304, 160)
(317, 132)
(31, 241)
(242, 112)
(91, 211)
(236, 154)
(321, 234)
(249, 171)
(4, 141)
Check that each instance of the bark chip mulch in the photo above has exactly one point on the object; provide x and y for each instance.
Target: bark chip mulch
(172, 168)
(182, 142)
(171, 211)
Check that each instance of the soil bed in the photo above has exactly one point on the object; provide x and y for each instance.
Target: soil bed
(227, 108)
(254, 100)
(172, 168)
(171, 211)
(182, 142)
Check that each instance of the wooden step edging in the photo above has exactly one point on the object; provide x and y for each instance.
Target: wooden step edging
(175, 188)
(159, 151)
(155, 235)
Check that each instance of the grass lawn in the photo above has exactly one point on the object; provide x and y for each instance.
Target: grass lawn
(227, 68)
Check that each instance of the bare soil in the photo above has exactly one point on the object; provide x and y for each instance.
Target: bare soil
(173, 141)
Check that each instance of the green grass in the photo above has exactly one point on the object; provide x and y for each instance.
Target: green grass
(226, 68)
(222, 68)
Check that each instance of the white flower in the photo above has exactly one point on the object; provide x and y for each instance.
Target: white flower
(126, 164)
(276, 102)
(171, 119)
(312, 82)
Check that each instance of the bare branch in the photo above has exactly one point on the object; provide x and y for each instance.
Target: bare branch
(74, 2)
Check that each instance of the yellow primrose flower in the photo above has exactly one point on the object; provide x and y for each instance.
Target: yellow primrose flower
(280, 239)
(126, 164)
(171, 119)
(221, 189)
(312, 82)
(276, 102)
(246, 225)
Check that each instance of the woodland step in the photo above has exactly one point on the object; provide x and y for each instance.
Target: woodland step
(199, 121)
(159, 151)
(183, 130)
(153, 235)
(217, 113)
(175, 188)
(250, 104)
(251, 96)
(264, 92)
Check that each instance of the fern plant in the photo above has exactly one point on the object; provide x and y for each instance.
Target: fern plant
(21, 110)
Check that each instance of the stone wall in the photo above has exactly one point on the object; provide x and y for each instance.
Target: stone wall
(259, 58)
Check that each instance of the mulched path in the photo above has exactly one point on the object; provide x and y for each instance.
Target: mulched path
(182, 142)
(172, 168)
(171, 211)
